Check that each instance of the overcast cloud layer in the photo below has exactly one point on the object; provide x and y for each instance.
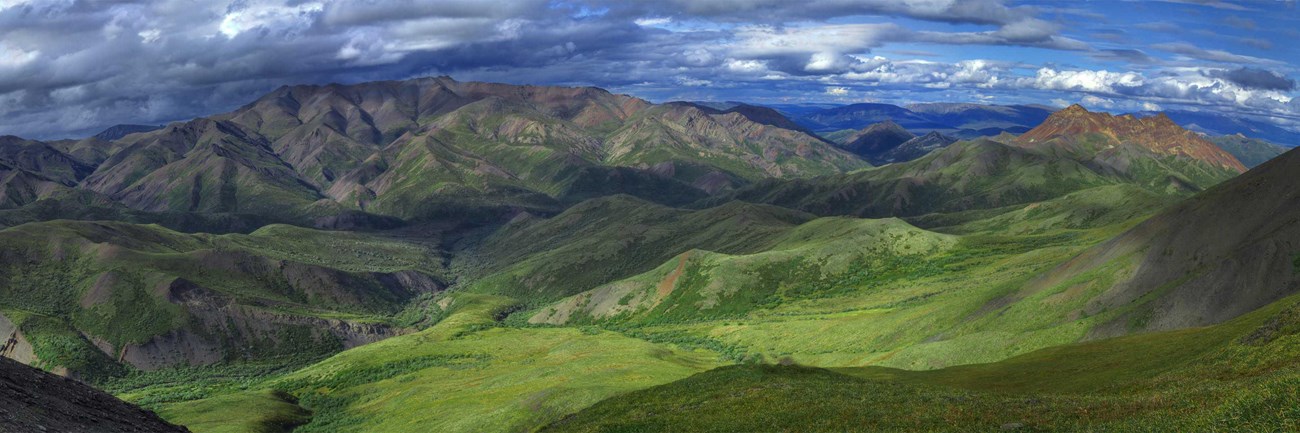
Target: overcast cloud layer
(71, 68)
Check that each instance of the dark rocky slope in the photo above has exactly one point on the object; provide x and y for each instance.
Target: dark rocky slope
(32, 400)
(1220, 254)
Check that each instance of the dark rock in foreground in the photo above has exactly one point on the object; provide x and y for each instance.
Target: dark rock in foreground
(32, 400)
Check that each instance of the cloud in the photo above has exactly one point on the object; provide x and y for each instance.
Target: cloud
(1217, 4)
(1098, 81)
(1239, 22)
(652, 22)
(837, 91)
(1252, 78)
(1195, 52)
(1123, 55)
(1192, 86)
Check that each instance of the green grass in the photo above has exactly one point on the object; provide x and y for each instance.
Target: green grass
(1238, 376)
(263, 411)
(464, 374)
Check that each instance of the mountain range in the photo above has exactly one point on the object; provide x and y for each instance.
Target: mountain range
(419, 149)
(456, 256)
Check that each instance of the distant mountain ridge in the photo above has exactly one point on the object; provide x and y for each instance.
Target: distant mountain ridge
(1250, 151)
(1213, 123)
(971, 120)
(874, 141)
(962, 120)
(1073, 149)
(421, 148)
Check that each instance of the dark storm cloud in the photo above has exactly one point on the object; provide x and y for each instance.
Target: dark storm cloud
(1252, 78)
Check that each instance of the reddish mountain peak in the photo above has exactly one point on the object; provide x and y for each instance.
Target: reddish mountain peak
(1157, 134)
(1073, 109)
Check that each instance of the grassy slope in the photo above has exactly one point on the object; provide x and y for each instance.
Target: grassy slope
(841, 291)
(463, 375)
(821, 258)
(611, 238)
(1239, 376)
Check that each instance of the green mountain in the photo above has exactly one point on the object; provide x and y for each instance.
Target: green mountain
(817, 259)
(91, 298)
(1165, 272)
(875, 141)
(1250, 151)
(963, 176)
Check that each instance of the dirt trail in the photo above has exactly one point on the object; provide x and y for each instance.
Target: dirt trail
(666, 286)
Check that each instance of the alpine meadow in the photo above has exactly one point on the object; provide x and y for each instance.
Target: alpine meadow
(464, 216)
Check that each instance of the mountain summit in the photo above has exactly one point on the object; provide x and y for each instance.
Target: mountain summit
(1103, 133)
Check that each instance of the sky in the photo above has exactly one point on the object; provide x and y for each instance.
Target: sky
(72, 68)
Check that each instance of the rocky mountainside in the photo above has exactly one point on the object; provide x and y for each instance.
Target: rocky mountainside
(32, 400)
